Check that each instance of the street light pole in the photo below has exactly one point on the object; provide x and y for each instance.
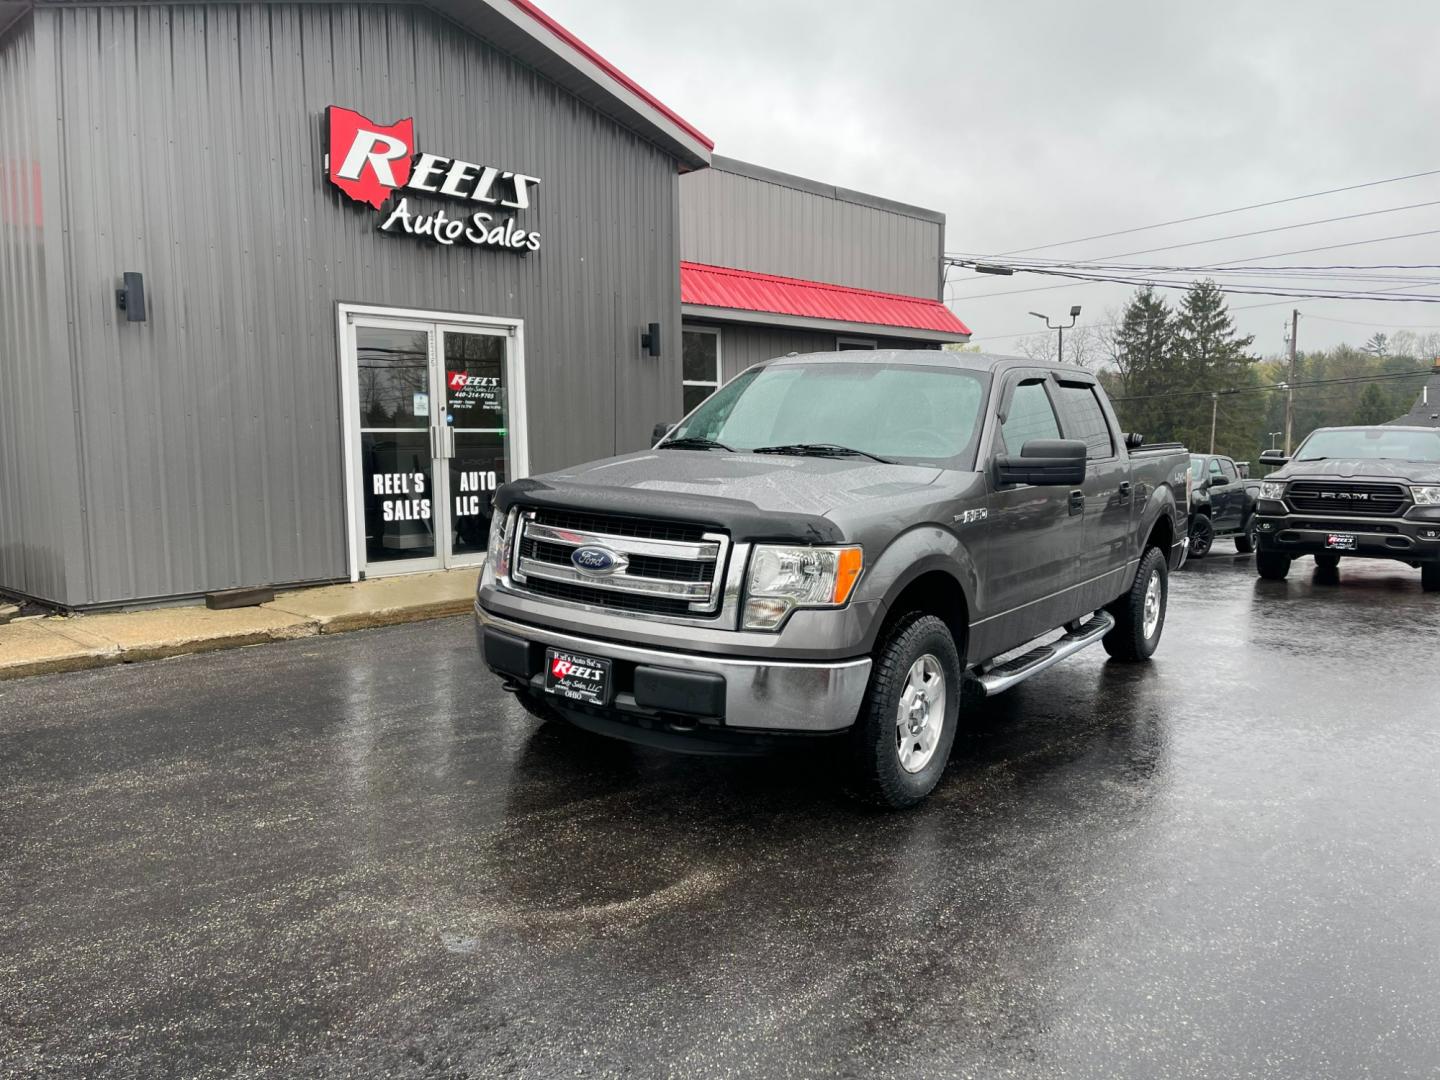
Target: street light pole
(1214, 413)
(1273, 436)
(1060, 329)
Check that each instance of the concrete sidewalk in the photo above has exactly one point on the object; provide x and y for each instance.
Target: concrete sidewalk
(38, 646)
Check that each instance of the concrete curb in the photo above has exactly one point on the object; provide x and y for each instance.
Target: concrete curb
(73, 643)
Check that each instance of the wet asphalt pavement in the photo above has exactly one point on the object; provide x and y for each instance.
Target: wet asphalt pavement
(353, 856)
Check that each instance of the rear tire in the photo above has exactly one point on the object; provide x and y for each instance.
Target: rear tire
(1247, 541)
(1271, 565)
(902, 739)
(1430, 577)
(1202, 536)
(1140, 613)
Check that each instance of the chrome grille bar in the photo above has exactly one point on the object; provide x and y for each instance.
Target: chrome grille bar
(630, 545)
(621, 582)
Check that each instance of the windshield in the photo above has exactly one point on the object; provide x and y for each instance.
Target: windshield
(1364, 444)
(910, 414)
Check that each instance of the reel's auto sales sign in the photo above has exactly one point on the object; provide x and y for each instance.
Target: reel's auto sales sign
(370, 162)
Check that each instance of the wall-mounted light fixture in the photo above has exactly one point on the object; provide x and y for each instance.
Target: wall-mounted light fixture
(130, 297)
(650, 340)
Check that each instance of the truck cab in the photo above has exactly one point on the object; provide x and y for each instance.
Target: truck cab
(830, 547)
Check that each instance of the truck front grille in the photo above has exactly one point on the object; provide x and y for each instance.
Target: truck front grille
(1360, 499)
(653, 567)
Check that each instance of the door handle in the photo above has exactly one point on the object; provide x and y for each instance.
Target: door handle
(437, 446)
(447, 441)
(1124, 490)
(1077, 503)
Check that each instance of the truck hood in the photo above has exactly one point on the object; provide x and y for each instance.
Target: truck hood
(1410, 472)
(753, 496)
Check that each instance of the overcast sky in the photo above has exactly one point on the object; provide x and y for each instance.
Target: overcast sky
(1029, 123)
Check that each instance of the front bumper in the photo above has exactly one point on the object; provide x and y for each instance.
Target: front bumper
(677, 690)
(1402, 538)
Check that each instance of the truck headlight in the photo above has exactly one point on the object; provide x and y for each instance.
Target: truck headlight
(497, 549)
(1272, 489)
(785, 578)
(1428, 495)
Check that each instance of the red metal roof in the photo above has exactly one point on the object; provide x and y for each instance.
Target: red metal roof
(610, 69)
(746, 290)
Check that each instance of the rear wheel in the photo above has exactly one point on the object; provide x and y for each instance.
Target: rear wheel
(1271, 565)
(1249, 540)
(1140, 613)
(1202, 536)
(1327, 560)
(902, 739)
(1430, 577)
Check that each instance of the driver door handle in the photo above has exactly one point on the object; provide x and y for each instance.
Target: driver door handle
(1077, 503)
(1124, 490)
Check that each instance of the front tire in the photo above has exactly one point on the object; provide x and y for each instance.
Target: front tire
(1271, 565)
(1140, 613)
(1202, 536)
(902, 739)
(1430, 577)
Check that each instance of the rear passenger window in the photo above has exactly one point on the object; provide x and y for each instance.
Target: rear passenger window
(1085, 420)
(1031, 417)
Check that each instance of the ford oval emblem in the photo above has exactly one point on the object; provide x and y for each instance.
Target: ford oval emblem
(598, 561)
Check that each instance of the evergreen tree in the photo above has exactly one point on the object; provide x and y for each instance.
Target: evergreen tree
(1378, 345)
(1142, 349)
(1374, 407)
(1210, 356)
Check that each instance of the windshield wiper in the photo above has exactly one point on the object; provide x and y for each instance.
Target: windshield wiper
(692, 442)
(820, 449)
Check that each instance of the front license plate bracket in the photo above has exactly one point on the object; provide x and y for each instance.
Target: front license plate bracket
(577, 677)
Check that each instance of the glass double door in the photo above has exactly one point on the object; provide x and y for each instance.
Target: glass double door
(433, 438)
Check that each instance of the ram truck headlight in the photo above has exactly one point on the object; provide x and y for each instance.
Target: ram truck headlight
(1427, 495)
(1272, 489)
(497, 549)
(785, 578)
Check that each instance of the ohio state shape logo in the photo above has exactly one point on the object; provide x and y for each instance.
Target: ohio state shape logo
(369, 160)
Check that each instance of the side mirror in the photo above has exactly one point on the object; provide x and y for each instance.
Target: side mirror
(1134, 440)
(1274, 458)
(1218, 481)
(1045, 462)
(661, 430)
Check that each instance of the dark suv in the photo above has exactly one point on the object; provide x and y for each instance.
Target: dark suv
(1353, 492)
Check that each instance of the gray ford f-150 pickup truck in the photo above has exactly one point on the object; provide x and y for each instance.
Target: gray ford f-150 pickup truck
(831, 544)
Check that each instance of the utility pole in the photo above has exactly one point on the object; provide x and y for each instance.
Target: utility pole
(1290, 385)
(1214, 412)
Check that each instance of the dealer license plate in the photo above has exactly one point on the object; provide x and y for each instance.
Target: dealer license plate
(577, 677)
(1340, 542)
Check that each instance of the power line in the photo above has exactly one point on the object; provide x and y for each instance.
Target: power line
(1343, 381)
(1257, 258)
(1223, 213)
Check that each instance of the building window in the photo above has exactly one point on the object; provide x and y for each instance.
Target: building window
(854, 344)
(700, 369)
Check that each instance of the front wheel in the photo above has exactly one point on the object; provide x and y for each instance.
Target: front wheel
(1202, 536)
(1271, 565)
(902, 739)
(1140, 613)
(1430, 577)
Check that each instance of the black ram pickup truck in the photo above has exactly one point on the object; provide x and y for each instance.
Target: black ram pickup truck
(1353, 492)
(1222, 503)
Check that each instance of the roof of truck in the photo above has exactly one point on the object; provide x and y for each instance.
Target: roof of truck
(948, 358)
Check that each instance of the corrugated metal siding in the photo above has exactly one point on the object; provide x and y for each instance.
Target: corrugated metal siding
(31, 558)
(743, 344)
(212, 447)
(727, 219)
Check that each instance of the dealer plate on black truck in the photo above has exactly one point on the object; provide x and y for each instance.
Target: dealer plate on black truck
(1340, 542)
(579, 678)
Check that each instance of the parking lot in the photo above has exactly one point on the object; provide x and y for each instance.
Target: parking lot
(355, 856)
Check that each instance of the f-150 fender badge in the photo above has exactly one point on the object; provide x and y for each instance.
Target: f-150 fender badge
(969, 517)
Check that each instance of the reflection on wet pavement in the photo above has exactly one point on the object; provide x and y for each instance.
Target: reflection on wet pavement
(355, 856)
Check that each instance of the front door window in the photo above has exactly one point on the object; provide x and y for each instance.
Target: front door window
(434, 438)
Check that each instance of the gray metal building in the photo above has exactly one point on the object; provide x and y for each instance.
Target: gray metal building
(374, 259)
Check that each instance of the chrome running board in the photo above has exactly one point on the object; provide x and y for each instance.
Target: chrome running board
(1002, 677)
